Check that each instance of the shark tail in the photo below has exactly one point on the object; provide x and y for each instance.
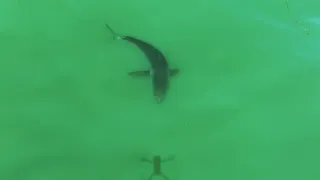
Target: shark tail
(116, 36)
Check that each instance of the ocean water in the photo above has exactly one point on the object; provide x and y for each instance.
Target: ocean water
(245, 105)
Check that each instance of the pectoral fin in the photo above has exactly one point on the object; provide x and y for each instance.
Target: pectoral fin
(174, 72)
(140, 73)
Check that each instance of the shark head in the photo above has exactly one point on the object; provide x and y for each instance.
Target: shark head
(160, 81)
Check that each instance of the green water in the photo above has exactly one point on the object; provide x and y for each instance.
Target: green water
(244, 107)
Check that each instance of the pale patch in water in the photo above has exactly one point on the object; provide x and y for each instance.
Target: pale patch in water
(272, 21)
(314, 20)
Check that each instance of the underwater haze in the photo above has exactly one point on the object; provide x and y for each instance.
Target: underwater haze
(245, 105)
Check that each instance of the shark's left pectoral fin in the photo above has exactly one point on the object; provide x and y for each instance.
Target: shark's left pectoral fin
(174, 72)
(140, 73)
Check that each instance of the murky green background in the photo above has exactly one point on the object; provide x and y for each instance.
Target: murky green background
(245, 106)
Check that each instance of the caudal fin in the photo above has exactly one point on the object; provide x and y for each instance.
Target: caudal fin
(115, 35)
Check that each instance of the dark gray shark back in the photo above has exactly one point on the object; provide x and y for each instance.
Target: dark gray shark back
(155, 57)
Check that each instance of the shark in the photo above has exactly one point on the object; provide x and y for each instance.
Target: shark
(159, 70)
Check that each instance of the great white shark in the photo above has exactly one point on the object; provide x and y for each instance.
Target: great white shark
(160, 72)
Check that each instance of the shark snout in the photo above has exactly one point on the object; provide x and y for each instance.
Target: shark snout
(159, 96)
(158, 99)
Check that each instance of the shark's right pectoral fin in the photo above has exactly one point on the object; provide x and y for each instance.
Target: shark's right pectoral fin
(174, 72)
(139, 73)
